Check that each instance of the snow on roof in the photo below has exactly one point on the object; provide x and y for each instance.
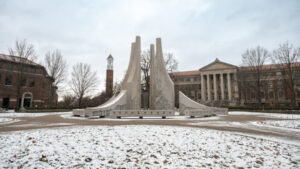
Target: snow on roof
(17, 59)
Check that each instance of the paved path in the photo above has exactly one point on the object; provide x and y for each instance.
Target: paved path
(233, 123)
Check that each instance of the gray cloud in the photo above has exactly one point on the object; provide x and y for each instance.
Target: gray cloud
(195, 31)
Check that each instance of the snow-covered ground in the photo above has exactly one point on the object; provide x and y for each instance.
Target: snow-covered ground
(13, 114)
(294, 124)
(274, 115)
(37, 124)
(5, 120)
(142, 147)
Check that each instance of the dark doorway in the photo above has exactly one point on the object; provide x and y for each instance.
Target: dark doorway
(145, 100)
(27, 102)
(5, 103)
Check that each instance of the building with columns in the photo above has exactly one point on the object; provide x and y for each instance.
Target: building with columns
(218, 84)
(213, 84)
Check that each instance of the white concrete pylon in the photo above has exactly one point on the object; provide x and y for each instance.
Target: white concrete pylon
(152, 80)
(162, 94)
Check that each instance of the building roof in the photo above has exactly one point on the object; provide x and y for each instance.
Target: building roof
(215, 62)
(272, 66)
(186, 73)
(17, 59)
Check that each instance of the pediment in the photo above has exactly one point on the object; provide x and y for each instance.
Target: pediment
(217, 65)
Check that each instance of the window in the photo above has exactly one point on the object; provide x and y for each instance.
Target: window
(23, 82)
(252, 95)
(271, 95)
(298, 82)
(199, 95)
(24, 69)
(269, 74)
(32, 82)
(186, 87)
(298, 93)
(262, 95)
(278, 73)
(33, 70)
(297, 73)
(279, 83)
(193, 94)
(280, 94)
(199, 86)
(0, 66)
(192, 79)
(8, 80)
(270, 83)
(10, 67)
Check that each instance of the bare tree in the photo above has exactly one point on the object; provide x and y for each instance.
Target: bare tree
(170, 63)
(285, 57)
(145, 68)
(116, 88)
(255, 59)
(57, 68)
(83, 81)
(68, 100)
(243, 84)
(25, 54)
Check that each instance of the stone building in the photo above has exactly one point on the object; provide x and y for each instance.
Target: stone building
(36, 83)
(218, 84)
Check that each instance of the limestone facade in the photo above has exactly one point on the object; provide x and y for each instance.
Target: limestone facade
(215, 83)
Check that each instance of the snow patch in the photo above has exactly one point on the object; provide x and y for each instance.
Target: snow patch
(31, 114)
(7, 120)
(275, 115)
(142, 147)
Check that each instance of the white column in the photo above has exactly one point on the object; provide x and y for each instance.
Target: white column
(222, 87)
(203, 98)
(229, 86)
(215, 87)
(208, 88)
(235, 83)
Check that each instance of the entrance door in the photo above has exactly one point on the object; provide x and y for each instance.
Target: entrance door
(27, 102)
(5, 103)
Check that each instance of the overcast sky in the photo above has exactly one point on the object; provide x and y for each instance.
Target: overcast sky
(195, 31)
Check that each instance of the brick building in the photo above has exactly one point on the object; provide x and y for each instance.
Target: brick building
(36, 83)
(218, 84)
